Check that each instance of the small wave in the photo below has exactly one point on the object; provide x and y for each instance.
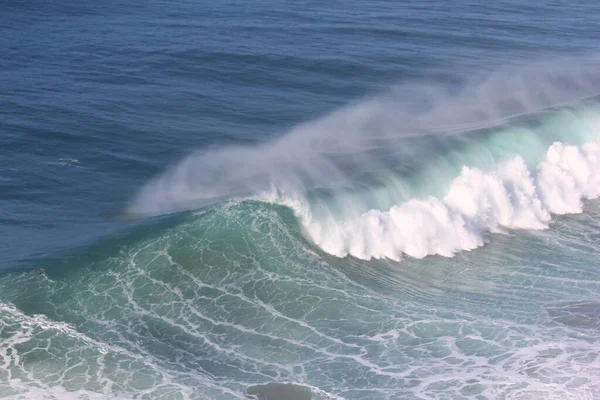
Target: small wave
(71, 162)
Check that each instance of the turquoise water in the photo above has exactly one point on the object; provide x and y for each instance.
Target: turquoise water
(299, 201)
(236, 296)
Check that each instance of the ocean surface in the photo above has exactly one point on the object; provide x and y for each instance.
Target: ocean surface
(299, 200)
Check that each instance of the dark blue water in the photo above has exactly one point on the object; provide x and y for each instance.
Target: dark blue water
(115, 114)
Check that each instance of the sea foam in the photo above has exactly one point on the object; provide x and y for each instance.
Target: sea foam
(477, 203)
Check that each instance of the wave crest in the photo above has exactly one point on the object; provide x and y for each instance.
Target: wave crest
(477, 203)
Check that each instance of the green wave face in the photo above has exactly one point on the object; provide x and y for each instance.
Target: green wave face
(222, 301)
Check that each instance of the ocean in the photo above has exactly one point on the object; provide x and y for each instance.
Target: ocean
(299, 200)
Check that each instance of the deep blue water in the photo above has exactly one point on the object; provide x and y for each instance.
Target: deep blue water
(200, 197)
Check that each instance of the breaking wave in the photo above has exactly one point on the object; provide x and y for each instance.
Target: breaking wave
(423, 170)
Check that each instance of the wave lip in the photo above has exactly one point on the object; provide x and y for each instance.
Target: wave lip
(477, 203)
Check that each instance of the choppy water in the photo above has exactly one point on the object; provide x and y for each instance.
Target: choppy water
(355, 200)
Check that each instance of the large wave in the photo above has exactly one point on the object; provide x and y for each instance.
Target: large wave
(424, 169)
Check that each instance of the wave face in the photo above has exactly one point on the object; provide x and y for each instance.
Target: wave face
(234, 301)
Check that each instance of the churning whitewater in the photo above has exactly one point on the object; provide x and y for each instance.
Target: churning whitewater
(477, 203)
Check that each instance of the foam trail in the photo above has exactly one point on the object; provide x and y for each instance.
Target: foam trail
(476, 204)
(366, 140)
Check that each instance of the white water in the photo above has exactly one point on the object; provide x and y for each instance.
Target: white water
(476, 204)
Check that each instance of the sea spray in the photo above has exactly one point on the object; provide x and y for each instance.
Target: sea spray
(390, 136)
